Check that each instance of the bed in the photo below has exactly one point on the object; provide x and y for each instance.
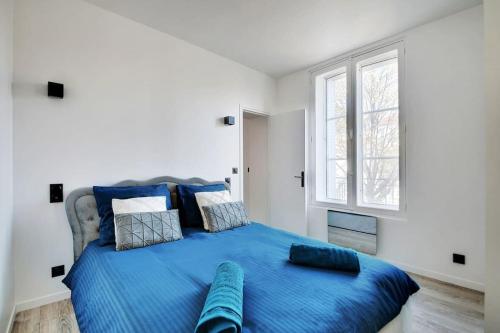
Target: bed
(162, 288)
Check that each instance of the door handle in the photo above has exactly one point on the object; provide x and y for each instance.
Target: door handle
(301, 178)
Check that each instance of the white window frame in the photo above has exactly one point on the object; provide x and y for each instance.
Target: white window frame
(349, 61)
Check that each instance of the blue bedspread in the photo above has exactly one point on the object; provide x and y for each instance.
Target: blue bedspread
(162, 288)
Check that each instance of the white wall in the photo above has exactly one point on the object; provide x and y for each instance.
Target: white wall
(138, 104)
(6, 177)
(445, 152)
(492, 70)
(255, 157)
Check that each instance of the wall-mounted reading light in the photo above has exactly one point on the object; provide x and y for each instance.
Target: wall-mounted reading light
(55, 90)
(229, 120)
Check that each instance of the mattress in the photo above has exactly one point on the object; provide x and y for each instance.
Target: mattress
(162, 288)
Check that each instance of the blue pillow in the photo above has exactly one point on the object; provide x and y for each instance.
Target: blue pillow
(188, 207)
(103, 196)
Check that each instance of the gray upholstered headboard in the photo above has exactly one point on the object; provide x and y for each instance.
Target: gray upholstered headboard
(82, 213)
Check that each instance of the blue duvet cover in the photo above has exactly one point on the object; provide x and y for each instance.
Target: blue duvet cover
(162, 288)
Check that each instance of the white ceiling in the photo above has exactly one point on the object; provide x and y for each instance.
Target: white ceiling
(281, 36)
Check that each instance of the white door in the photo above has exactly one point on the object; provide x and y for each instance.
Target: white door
(287, 195)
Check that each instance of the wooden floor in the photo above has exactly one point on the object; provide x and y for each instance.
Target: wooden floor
(437, 307)
(55, 317)
(442, 307)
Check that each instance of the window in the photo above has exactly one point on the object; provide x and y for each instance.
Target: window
(336, 137)
(358, 154)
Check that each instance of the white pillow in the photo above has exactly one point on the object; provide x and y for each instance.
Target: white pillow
(139, 205)
(211, 198)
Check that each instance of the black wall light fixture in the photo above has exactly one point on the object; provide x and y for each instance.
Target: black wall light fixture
(55, 89)
(229, 120)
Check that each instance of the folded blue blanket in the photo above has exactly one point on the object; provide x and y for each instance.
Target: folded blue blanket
(223, 310)
(325, 257)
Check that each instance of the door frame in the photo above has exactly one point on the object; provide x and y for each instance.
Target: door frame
(244, 109)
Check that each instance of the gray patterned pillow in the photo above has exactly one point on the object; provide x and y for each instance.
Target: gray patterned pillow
(143, 229)
(225, 216)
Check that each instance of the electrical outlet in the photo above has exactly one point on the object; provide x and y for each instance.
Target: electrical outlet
(459, 258)
(57, 270)
(235, 171)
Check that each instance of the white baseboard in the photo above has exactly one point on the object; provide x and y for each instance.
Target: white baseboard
(10, 325)
(440, 276)
(36, 302)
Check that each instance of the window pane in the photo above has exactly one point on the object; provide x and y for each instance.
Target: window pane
(337, 180)
(381, 134)
(381, 181)
(380, 85)
(336, 138)
(336, 88)
(378, 151)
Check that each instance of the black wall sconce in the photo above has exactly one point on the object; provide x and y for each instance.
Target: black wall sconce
(55, 90)
(229, 120)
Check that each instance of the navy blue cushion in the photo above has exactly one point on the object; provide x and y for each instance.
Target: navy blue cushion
(334, 257)
(103, 196)
(188, 207)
